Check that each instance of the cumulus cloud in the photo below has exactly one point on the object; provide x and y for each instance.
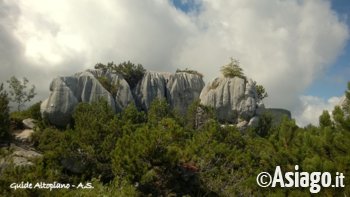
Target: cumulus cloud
(283, 45)
(312, 107)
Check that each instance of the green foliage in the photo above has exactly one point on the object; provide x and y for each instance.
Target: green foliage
(132, 73)
(325, 119)
(4, 113)
(95, 133)
(32, 112)
(111, 87)
(158, 110)
(155, 154)
(260, 90)
(186, 70)
(264, 124)
(19, 93)
(233, 69)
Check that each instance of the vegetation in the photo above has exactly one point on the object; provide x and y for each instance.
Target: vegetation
(194, 72)
(132, 73)
(260, 90)
(233, 69)
(19, 93)
(4, 113)
(109, 85)
(163, 154)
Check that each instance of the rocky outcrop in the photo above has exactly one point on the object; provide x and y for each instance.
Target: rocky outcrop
(67, 92)
(179, 89)
(152, 86)
(232, 98)
(182, 89)
(17, 156)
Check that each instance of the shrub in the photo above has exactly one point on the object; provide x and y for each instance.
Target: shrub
(233, 69)
(194, 72)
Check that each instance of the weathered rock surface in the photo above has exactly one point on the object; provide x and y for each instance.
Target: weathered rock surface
(233, 98)
(179, 89)
(18, 157)
(67, 92)
(152, 86)
(183, 89)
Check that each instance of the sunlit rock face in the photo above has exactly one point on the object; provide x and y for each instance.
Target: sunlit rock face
(67, 92)
(232, 98)
(179, 90)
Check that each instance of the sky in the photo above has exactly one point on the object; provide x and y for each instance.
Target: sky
(297, 49)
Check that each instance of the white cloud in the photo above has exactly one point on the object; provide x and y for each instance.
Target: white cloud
(283, 45)
(312, 107)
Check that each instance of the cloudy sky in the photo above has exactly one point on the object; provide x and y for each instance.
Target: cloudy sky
(297, 49)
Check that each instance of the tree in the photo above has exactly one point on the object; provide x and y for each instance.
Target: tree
(325, 119)
(260, 90)
(19, 92)
(158, 110)
(4, 112)
(233, 69)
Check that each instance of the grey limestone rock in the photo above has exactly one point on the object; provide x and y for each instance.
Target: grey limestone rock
(233, 98)
(67, 92)
(179, 89)
(152, 86)
(182, 89)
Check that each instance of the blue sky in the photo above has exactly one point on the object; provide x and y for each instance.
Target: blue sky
(334, 81)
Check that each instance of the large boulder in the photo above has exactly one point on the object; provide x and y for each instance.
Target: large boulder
(179, 89)
(152, 86)
(67, 92)
(183, 88)
(232, 98)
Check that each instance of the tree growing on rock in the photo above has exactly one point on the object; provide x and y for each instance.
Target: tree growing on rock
(233, 69)
(260, 90)
(132, 73)
(19, 92)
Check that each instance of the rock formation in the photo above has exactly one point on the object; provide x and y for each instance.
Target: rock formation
(67, 92)
(183, 89)
(179, 89)
(18, 157)
(232, 98)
